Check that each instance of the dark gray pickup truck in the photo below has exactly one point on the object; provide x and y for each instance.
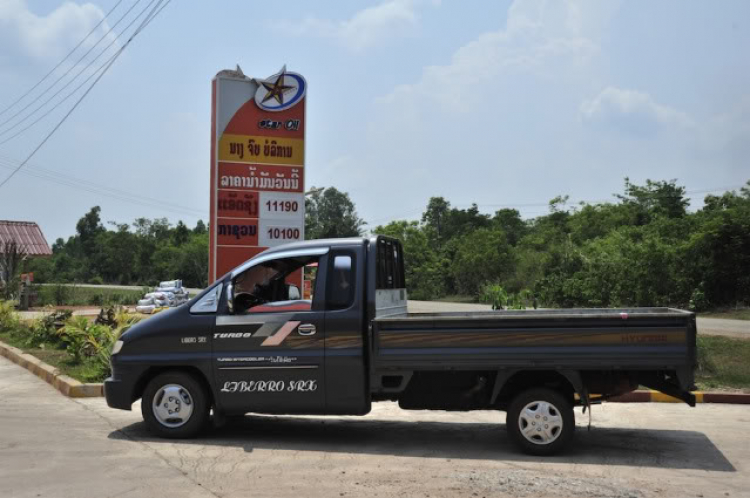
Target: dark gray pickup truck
(251, 343)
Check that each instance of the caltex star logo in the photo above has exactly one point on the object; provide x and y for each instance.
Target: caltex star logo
(277, 89)
(280, 91)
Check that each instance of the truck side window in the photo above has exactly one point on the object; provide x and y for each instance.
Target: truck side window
(340, 293)
(273, 287)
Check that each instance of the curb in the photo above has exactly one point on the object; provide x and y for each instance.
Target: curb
(67, 385)
(700, 397)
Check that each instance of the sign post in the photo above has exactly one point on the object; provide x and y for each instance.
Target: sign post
(257, 166)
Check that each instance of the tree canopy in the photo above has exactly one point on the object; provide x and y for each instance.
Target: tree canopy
(643, 249)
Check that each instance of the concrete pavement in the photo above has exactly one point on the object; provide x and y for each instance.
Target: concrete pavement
(54, 446)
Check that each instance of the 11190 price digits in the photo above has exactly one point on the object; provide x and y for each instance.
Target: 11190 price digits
(283, 206)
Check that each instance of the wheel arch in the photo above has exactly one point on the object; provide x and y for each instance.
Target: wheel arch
(509, 383)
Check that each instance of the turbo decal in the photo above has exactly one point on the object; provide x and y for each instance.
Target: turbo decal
(269, 386)
(233, 335)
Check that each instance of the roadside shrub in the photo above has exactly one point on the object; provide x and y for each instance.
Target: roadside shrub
(698, 300)
(61, 294)
(102, 344)
(108, 316)
(96, 299)
(8, 317)
(81, 336)
(495, 295)
(45, 330)
(97, 280)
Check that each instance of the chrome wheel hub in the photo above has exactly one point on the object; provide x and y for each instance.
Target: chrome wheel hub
(540, 422)
(172, 406)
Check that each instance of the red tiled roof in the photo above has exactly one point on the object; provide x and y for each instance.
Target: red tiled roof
(27, 234)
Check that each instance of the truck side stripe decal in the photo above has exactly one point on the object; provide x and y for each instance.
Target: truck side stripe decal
(281, 334)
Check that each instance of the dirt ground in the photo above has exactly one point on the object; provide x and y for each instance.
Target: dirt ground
(55, 446)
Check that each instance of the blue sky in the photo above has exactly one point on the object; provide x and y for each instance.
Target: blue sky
(506, 104)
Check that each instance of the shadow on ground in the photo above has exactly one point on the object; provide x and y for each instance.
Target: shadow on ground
(676, 449)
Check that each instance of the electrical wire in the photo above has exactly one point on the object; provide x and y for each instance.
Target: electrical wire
(99, 189)
(93, 30)
(71, 69)
(149, 18)
(58, 104)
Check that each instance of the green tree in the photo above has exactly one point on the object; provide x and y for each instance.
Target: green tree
(330, 213)
(483, 256)
(12, 255)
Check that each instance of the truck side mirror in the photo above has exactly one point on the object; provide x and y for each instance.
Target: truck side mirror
(294, 293)
(230, 298)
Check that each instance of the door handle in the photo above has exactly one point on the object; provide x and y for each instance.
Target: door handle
(306, 329)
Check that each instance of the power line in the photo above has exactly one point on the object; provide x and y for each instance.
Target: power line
(150, 17)
(111, 196)
(101, 190)
(19, 99)
(15, 125)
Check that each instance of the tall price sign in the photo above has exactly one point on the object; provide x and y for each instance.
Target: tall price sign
(257, 166)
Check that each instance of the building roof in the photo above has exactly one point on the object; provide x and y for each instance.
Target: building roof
(27, 235)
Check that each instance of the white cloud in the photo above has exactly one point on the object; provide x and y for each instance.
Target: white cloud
(547, 38)
(632, 111)
(369, 27)
(29, 34)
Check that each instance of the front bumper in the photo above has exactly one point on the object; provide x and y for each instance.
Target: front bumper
(118, 394)
(120, 388)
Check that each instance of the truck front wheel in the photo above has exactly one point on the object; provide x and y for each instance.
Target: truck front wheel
(175, 405)
(540, 421)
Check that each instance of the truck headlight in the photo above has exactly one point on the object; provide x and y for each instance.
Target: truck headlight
(117, 347)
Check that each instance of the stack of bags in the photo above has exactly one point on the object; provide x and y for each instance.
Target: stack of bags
(167, 294)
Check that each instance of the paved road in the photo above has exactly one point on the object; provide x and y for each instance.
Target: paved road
(722, 326)
(52, 446)
(707, 326)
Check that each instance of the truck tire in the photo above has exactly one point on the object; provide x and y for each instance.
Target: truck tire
(540, 421)
(175, 405)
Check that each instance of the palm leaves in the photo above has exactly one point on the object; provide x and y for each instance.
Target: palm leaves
(86, 339)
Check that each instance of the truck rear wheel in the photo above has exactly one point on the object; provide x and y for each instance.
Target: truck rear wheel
(540, 421)
(175, 405)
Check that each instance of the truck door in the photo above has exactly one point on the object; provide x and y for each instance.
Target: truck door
(268, 343)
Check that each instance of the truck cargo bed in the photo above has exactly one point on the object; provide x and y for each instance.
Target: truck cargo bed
(621, 338)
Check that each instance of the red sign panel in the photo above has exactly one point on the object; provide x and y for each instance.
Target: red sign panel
(234, 232)
(257, 166)
(261, 177)
(233, 204)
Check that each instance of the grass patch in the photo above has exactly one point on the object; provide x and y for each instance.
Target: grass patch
(56, 355)
(73, 295)
(739, 314)
(723, 362)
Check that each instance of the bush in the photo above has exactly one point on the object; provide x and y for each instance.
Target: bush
(62, 294)
(8, 317)
(495, 295)
(96, 299)
(45, 330)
